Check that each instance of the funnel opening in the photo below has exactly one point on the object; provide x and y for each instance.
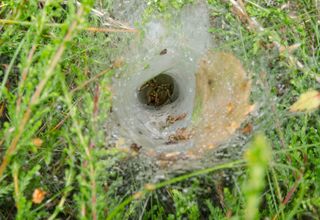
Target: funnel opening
(159, 91)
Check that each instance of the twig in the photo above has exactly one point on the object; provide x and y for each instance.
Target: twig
(292, 190)
(60, 123)
(114, 23)
(90, 29)
(93, 192)
(35, 97)
(24, 76)
(109, 30)
(91, 80)
(96, 102)
(16, 187)
(92, 178)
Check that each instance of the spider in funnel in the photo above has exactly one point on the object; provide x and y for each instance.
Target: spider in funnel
(158, 91)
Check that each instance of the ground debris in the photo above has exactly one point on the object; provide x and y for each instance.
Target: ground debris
(171, 119)
(182, 134)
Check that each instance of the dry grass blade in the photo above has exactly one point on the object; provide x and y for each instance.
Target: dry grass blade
(111, 30)
(108, 21)
(238, 8)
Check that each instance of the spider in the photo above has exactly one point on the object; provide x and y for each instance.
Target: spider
(157, 93)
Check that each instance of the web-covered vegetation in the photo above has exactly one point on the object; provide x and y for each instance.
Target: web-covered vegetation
(56, 63)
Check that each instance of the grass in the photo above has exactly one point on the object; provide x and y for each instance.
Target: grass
(55, 97)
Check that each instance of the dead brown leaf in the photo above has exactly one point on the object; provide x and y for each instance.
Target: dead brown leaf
(230, 107)
(37, 142)
(149, 186)
(117, 63)
(2, 105)
(247, 129)
(307, 102)
(38, 195)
